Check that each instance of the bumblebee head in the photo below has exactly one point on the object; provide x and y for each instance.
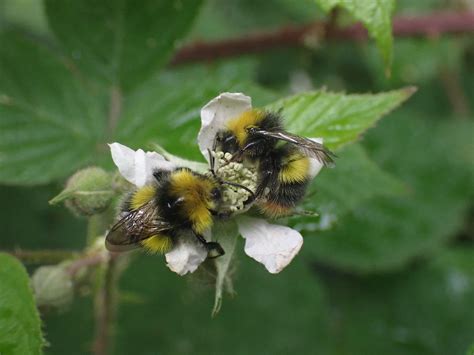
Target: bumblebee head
(216, 195)
(226, 141)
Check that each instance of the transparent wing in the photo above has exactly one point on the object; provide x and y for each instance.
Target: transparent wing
(135, 226)
(307, 146)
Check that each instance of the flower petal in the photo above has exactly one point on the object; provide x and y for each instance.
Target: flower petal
(180, 162)
(315, 165)
(186, 256)
(270, 244)
(137, 166)
(215, 115)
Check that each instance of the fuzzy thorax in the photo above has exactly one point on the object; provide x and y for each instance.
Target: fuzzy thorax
(234, 198)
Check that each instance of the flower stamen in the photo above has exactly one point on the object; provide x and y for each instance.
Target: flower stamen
(234, 197)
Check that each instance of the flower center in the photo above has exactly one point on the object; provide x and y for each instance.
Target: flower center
(234, 198)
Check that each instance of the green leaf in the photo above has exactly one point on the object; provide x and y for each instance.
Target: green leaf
(50, 119)
(120, 41)
(470, 351)
(227, 235)
(20, 327)
(385, 233)
(355, 179)
(425, 310)
(338, 118)
(376, 16)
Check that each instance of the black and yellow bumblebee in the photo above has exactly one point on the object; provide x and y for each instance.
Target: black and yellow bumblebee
(282, 158)
(178, 203)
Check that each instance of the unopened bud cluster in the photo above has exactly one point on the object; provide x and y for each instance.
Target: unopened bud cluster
(53, 286)
(88, 192)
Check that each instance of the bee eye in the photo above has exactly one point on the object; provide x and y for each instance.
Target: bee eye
(175, 203)
(216, 193)
(229, 139)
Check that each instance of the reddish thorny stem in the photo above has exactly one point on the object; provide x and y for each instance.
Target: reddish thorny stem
(431, 25)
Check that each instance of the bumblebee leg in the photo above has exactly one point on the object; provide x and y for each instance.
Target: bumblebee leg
(221, 215)
(307, 213)
(212, 162)
(268, 177)
(214, 249)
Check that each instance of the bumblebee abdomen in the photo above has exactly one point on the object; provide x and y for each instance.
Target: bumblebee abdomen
(281, 201)
(289, 181)
(288, 194)
(294, 169)
(274, 210)
(159, 243)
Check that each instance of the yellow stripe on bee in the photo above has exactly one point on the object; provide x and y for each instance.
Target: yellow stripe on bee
(247, 119)
(157, 244)
(142, 196)
(196, 192)
(294, 170)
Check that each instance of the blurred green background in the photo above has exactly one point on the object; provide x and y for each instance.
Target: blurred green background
(391, 274)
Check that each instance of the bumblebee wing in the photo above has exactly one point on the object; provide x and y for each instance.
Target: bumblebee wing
(307, 146)
(135, 226)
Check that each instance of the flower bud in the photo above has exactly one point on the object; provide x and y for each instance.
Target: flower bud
(53, 286)
(88, 192)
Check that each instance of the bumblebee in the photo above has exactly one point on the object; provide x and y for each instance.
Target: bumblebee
(282, 159)
(179, 203)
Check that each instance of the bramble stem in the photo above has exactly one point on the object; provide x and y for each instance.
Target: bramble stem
(105, 305)
(428, 25)
(45, 256)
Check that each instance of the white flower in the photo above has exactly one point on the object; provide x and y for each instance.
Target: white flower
(270, 244)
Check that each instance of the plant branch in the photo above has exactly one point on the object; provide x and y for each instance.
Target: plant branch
(431, 25)
(42, 256)
(86, 261)
(105, 308)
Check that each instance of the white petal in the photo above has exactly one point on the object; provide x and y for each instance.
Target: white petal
(315, 165)
(215, 115)
(180, 162)
(270, 244)
(186, 256)
(137, 166)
